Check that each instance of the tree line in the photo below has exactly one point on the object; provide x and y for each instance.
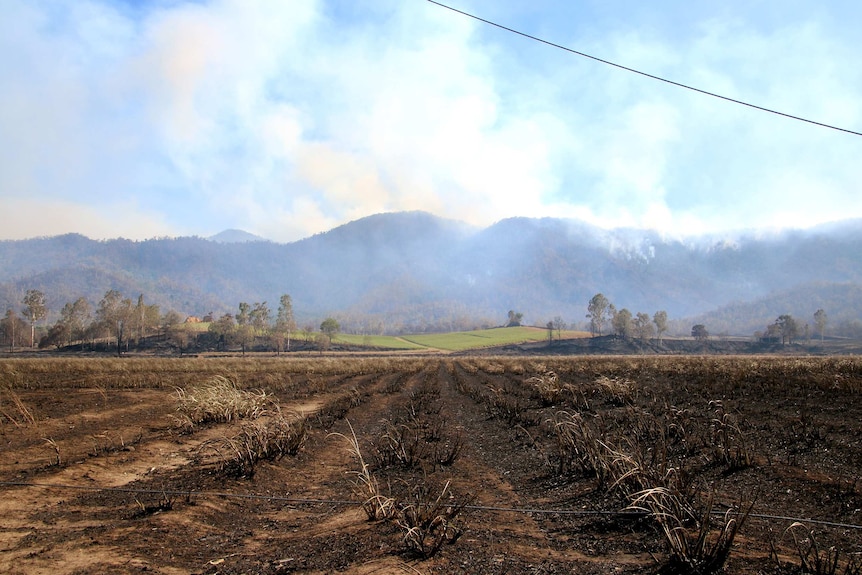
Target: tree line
(123, 322)
(114, 317)
(119, 319)
(254, 324)
(600, 311)
(623, 323)
(787, 329)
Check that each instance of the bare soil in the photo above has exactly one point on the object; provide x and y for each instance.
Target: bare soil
(97, 476)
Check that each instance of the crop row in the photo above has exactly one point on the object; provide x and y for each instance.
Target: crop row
(665, 459)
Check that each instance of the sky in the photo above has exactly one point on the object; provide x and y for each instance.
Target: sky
(286, 118)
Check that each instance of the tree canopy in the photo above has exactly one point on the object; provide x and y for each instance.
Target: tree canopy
(330, 327)
(699, 332)
(596, 310)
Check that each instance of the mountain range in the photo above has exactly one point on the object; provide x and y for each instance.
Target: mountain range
(412, 271)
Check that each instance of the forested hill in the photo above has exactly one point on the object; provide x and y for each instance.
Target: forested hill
(409, 270)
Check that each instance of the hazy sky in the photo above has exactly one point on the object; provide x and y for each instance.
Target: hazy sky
(286, 118)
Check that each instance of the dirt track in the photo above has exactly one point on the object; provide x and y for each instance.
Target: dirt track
(137, 495)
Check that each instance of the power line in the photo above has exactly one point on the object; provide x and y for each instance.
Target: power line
(648, 75)
(303, 500)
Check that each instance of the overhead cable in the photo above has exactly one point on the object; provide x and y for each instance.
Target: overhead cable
(648, 75)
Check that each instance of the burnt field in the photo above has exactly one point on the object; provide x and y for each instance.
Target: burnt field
(431, 465)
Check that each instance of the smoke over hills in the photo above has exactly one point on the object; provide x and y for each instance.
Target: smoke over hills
(414, 271)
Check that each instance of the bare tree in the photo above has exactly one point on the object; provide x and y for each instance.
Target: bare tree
(308, 332)
(559, 325)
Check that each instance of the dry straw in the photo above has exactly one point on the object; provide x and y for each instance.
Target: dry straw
(220, 400)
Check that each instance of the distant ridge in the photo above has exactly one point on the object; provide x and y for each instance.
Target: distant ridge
(233, 236)
(412, 271)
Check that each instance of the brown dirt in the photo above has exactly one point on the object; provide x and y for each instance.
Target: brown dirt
(130, 493)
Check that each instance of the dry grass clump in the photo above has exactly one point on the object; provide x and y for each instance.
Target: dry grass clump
(337, 408)
(413, 443)
(402, 445)
(12, 408)
(816, 559)
(728, 441)
(420, 435)
(693, 545)
(220, 400)
(376, 505)
(266, 439)
(639, 466)
(429, 521)
(579, 446)
(489, 366)
(162, 504)
(56, 447)
(618, 390)
(548, 386)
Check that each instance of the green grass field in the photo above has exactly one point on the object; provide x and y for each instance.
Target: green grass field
(455, 341)
(383, 341)
(460, 341)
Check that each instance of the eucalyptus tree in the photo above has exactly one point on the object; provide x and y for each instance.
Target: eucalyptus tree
(284, 321)
(330, 327)
(596, 312)
(699, 332)
(244, 334)
(144, 317)
(260, 316)
(224, 329)
(74, 316)
(643, 326)
(515, 318)
(11, 328)
(35, 309)
(622, 323)
(660, 321)
(820, 321)
(788, 328)
(114, 314)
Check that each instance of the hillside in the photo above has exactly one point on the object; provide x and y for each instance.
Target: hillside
(413, 271)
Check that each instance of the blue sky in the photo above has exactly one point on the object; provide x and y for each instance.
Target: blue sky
(287, 118)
